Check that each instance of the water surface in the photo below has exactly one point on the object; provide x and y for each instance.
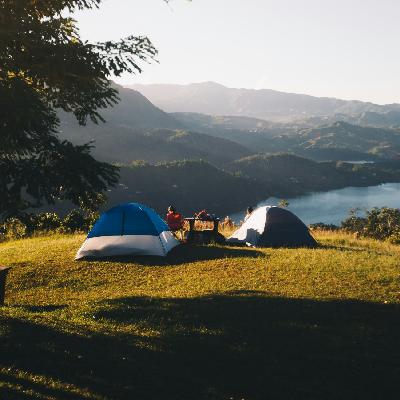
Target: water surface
(333, 206)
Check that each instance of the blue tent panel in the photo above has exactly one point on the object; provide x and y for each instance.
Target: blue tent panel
(159, 223)
(129, 219)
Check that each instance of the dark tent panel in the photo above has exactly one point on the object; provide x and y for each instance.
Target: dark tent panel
(273, 227)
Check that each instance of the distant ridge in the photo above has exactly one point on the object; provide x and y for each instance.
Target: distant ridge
(137, 130)
(215, 99)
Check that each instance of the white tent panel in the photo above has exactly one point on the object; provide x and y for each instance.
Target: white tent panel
(168, 241)
(251, 229)
(109, 246)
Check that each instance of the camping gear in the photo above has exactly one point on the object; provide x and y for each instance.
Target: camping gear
(203, 215)
(128, 229)
(205, 236)
(272, 226)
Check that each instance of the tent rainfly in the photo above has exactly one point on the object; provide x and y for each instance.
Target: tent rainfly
(128, 229)
(272, 226)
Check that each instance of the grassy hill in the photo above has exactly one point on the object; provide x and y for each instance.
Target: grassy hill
(204, 323)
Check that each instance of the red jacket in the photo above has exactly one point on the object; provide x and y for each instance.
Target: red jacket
(174, 221)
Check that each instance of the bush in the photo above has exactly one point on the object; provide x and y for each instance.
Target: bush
(79, 221)
(13, 228)
(379, 223)
(47, 222)
(324, 227)
(28, 224)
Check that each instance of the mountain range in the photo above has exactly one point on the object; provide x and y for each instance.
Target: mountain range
(215, 99)
(137, 130)
(225, 162)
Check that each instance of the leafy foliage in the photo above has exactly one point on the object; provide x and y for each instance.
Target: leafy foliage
(25, 225)
(324, 227)
(13, 228)
(283, 203)
(379, 223)
(78, 221)
(45, 67)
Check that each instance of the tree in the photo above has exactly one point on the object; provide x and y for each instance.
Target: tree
(45, 68)
(283, 203)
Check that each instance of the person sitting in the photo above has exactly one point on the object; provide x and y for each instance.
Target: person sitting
(174, 219)
(248, 213)
(227, 222)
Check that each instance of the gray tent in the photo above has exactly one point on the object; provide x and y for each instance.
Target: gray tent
(271, 226)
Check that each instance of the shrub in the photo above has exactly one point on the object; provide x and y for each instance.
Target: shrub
(324, 227)
(79, 221)
(47, 222)
(13, 228)
(379, 223)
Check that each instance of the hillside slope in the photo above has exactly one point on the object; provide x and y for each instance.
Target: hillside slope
(380, 142)
(252, 133)
(194, 185)
(189, 185)
(120, 144)
(204, 323)
(338, 140)
(290, 175)
(135, 111)
(137, 130)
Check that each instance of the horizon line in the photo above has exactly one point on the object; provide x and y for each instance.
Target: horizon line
(127, 84)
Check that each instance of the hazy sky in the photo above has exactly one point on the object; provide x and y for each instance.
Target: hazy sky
(340, 48)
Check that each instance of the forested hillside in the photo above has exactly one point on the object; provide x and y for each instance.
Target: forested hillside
(336, 141)
(289, 175)
(245, 160)
(137, 130)
(384, 143)
(193, 185)
(123, 144)
(189, 185)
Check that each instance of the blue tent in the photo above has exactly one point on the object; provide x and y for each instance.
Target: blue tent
(128, 229)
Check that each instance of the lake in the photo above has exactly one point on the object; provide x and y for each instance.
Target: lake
(332, 207)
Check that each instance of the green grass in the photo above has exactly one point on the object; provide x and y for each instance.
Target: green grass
(204, 323)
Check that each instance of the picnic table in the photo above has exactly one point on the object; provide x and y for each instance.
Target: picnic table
(204, 236)
(192, 221)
